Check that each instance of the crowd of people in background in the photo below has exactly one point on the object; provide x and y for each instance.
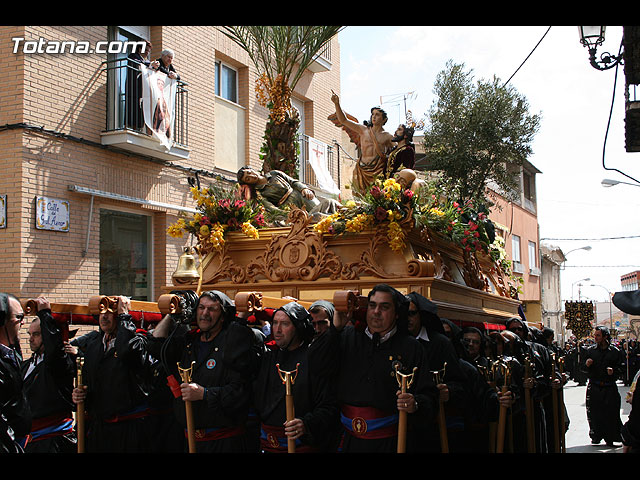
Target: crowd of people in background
(391, 376)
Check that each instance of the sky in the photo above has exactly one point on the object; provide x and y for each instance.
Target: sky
(384, 65)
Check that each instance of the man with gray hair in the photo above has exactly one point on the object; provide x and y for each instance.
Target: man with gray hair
(165, 64)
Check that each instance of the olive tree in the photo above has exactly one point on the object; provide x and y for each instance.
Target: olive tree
(477, 135)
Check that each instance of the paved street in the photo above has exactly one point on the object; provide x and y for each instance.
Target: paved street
(577, 438)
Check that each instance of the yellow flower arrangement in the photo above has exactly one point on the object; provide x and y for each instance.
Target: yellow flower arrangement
(250, 231)
(359, 223)
(218, 211)
(396, 236)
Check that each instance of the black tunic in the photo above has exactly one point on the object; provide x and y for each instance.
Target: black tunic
(48, 389)
(603, 399)
(116, 401)
(367, 379)
(314, 402)
(15, 414)
(222, 366)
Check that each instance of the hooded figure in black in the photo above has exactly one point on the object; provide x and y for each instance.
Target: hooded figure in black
(314, 428)
(603, 399)
(367, 356)
(221, 352)
(529, 352)
(427, 327)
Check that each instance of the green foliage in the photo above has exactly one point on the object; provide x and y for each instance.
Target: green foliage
(478, 133)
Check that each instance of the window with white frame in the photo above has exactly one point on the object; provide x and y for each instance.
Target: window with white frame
(515, 248)
(226, 82)
(532, 255)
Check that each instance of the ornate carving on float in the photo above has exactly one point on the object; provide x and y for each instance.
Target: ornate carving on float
(299, 255)
(367, 264)
(441, 270)
(226, 267)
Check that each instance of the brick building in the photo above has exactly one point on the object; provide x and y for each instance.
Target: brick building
(66, 146)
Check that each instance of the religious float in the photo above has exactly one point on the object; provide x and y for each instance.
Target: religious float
(413, 240)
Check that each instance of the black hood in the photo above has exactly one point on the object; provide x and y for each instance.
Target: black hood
(301, 318)
(428, 312)
(228, 305)
(328, 306)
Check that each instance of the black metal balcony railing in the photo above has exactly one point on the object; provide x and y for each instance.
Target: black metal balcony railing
(124, 94)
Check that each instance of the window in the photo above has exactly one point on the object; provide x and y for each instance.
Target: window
(515, 248)
(125, 255)
(226, 82)
(123, 89)
(532, 255)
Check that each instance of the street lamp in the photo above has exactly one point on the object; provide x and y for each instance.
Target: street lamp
(592, 38)
(607, 182)
(610, 309)
(578, 281)
(588, 247)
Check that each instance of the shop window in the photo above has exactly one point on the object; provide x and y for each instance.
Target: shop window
(125, 254)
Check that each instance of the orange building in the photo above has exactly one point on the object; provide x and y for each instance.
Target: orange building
(517, 223)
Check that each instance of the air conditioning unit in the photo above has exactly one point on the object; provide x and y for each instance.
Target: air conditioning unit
(535, 271)
(518, 267)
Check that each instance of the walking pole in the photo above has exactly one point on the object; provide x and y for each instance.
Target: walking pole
(563, 425)
(503, 409)
(438, 376)
(185, 374)
(493, 426)
(528, 373)
(554, 399)
(288, 379)
(404, 382)
(80, 414)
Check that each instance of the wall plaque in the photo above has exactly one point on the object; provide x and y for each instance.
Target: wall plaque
(52, 214)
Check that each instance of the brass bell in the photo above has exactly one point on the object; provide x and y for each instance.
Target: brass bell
(186, 271)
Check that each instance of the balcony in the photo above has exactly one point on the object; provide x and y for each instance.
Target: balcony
(319, 167)
(125, 128)
(322, 63)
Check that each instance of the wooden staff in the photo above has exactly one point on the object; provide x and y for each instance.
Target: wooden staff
(185, 374)
(554, 402)
(288, 379)
(80, 414)
(438, 376)
(493, 426)
(488, 376)
(404, 382)
(531, 433)
(503, 409)
(563, 425)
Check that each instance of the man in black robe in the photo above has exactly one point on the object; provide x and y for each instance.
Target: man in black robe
(48, 383)
(314, 428)
(114, 390)
(368, 356)
(15, 414)
(220, 350)
(602, 366)
(427, 328)
(483, 400)
(538, 383)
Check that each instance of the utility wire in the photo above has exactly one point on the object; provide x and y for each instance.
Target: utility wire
(613, 96)
(534, 48)
(592, 239)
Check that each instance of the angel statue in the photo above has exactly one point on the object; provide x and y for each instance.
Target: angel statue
(372, 141)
